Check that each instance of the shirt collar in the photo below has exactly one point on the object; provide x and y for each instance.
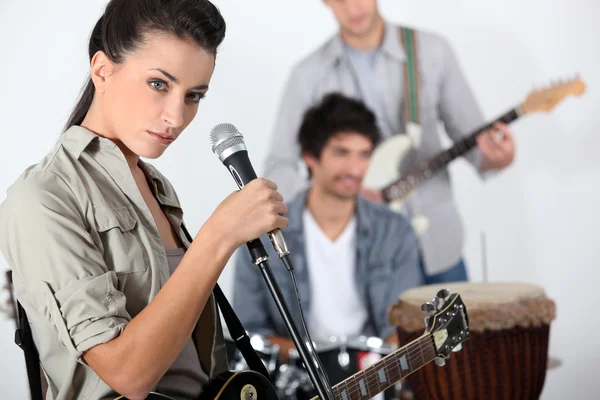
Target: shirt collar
(77, 139)
(390, 46)
(297, 206)
(162, 192)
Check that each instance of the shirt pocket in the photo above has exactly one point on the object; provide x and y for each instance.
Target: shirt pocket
(120, 240)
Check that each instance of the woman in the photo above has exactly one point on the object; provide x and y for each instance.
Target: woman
(93, 234)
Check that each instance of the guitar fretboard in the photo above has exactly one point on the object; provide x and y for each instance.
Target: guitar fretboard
(408, 181)
(387, 371)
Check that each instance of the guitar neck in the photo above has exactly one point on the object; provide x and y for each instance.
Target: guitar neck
(387, 371)
(414, 176)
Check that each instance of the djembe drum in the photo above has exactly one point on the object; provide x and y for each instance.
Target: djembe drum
(506, 356)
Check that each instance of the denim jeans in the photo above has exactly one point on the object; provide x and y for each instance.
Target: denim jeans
(457, 273)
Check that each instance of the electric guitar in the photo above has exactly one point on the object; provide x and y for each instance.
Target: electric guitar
(9, 307)
(385, 173)
(446, 328)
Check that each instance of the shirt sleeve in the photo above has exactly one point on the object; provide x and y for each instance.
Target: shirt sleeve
(60, 275)
(283, 161)
(405, 274)
(458, 107)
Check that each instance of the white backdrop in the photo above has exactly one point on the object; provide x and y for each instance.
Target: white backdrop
(539, 217)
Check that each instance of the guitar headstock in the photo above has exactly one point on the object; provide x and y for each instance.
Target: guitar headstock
(545, 99)
(447, 321)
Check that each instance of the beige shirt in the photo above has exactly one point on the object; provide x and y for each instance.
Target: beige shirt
(87, 257)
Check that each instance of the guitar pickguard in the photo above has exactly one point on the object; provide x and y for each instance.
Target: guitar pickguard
(388, 160)
(385, 160)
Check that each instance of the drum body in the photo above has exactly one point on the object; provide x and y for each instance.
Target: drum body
(506, 356)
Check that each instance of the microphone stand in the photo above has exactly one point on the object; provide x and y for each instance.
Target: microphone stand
(312, 363)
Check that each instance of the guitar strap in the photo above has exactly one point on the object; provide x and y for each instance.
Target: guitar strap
(236, 329)
(24, 340)
(411, 109)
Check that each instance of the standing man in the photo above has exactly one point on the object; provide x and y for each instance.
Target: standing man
(366, 60)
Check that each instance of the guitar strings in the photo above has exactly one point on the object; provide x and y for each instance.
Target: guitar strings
(352, 385)
(352, 390)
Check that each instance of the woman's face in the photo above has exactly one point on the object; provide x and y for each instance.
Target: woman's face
(148, 100)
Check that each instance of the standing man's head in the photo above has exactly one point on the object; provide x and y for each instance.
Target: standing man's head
(337, 137)
(357, 18)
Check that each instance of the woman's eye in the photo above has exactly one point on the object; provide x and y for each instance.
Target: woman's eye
(158, 85)
(196, 97)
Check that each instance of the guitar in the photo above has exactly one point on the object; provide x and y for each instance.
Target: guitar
(395, 185)
(9, 307)
(446, 328)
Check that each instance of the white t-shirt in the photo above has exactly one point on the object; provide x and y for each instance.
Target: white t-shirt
(336, 308)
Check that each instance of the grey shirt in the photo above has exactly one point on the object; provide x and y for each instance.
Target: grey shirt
(87, 257)
(364, 70)
(445, 96)
(184, 378)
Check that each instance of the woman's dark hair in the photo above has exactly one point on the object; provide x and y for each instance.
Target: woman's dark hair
(334, 114)
(121, 30)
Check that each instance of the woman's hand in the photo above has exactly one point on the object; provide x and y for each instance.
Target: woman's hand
(249, 213)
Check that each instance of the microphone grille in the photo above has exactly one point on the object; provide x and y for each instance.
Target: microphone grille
(223, 137)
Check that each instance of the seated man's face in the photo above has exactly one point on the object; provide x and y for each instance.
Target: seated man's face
(342, 165)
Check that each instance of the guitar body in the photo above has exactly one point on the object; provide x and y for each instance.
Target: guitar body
(385, 167)
(239, 385)
(385, 162)
(231, 385)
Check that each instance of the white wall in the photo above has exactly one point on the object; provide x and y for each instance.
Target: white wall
(539, 217)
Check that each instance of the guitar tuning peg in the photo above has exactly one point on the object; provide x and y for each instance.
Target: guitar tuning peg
(457, 348)
(428, 307)
(443, 293)
(440, 361)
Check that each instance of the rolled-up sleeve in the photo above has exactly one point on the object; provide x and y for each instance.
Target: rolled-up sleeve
(60, 275)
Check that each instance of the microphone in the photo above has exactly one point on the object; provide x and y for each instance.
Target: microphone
(228, 144)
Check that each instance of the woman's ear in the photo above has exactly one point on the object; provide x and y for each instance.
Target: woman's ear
(100, 68)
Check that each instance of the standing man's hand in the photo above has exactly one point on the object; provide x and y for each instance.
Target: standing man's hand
(497, 146)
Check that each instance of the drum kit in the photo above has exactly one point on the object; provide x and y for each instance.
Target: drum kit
(506, 356)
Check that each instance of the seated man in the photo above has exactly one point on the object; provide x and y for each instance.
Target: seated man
(352, 258)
